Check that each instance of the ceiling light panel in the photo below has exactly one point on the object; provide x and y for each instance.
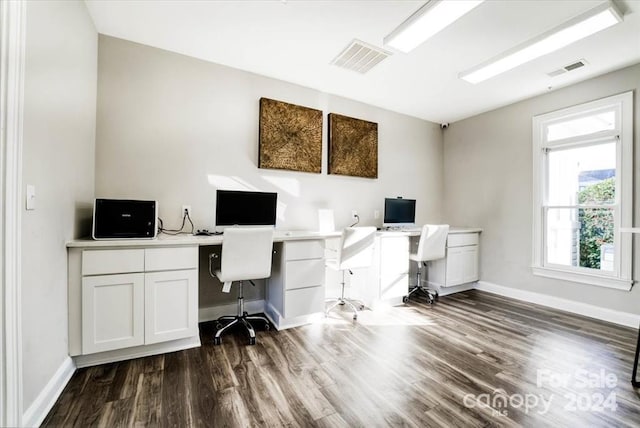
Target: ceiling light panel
(591, 22)
(427, 21)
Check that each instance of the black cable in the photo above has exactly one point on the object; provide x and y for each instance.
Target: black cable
(180, 231)
(357, 220)
(189, 218)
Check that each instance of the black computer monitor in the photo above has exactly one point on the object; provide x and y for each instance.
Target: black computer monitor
(399, 212)
(234, 207)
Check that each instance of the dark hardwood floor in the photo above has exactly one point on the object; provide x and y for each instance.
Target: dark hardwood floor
(473, 359)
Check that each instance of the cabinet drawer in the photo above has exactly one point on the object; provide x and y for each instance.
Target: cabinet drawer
(100, 262)
(303, 250)
(304, 273)
(462, 239)
(305, 301)
(158, 259)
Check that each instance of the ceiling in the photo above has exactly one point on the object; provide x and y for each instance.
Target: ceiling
(295, 41)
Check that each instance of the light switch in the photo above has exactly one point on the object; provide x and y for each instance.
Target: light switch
(31, 197)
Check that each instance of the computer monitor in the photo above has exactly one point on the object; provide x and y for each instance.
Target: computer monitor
(399, 212)
(234, 207)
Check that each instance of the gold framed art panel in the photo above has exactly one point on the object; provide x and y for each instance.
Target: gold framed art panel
(353, 147)
(290, 137)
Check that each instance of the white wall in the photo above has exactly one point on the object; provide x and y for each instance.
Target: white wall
(488, 179)
(58, 158)
(175, 128)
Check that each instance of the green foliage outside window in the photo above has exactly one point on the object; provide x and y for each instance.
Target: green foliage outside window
(596, 224)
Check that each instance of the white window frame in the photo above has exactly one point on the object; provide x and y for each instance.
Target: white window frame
(621, 277)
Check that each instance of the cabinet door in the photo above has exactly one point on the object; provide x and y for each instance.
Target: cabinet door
(112, 312)
(171, 305)
(455, 266)
(470, 264)
(394, 267)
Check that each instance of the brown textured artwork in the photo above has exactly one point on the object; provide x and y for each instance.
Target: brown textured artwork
(290, 137)
(353, 147)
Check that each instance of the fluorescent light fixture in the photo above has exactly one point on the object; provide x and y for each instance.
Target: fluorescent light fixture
(427, 21)
(580, 27)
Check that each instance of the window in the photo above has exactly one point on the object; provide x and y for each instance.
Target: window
(583, 192)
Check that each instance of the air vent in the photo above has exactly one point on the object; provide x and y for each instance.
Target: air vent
(360, 56)
(573, 66)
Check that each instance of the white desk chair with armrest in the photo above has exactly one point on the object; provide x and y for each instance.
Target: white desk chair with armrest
(246, 255)
(432, 246)
(355, 251)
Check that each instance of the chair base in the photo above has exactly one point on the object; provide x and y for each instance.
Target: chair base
(352, 303)
(430, 295)
(227, 321)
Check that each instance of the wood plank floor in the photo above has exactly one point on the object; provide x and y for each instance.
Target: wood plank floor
(473, 359)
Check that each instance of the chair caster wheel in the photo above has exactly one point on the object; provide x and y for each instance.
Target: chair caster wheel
(436, 295)
(361, 307)
(355, 317)
(405, 299)
(252, 341)
(217, 341)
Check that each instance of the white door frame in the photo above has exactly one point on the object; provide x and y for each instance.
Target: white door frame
(12, 45)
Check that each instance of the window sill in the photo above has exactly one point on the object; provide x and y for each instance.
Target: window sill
(601, 281)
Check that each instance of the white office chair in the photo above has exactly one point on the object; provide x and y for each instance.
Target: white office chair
(355, 251)
(432, 246)
(246, 255)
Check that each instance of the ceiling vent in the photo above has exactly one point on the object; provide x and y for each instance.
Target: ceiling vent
(360, 56)
(570, 67)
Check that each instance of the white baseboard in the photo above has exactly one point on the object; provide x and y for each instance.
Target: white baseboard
(617, 317)
(281, 323)
(136, 352)
(43, 403)
(445, 291)
(214, 312)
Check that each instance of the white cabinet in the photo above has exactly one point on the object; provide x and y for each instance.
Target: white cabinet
(133, 297)
(387, 280)
(169, 302)
(113, 312)
(393, 267)
(460, 265)
(295, 289)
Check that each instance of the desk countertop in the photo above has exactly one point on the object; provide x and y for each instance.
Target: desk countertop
(187, 240)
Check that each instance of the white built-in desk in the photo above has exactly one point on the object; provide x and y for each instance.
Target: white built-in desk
(135, 297)
(132, 298)
(386, 282)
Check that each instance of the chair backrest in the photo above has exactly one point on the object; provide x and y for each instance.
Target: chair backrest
(356, 247)
(246, 253)
(433, 240)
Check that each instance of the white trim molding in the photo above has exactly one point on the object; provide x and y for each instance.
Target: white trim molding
(38, 410)
(12, 57)
(584, 278)
(604, 314)
(136, 352)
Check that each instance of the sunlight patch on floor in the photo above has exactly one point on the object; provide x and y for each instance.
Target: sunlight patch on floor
(397, 316)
